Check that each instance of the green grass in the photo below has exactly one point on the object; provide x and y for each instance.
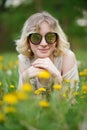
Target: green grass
(7, 80)
(62, 114)
(81, 56)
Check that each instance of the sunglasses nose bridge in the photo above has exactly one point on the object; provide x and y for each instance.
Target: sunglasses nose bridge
(43, 41)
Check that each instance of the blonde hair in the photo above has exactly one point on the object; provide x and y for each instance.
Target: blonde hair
(32, 25)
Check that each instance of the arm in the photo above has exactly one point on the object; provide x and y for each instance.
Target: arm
(47, 64)
(69, 62)
(27, 71)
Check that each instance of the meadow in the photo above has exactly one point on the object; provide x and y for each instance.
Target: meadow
(43, 109)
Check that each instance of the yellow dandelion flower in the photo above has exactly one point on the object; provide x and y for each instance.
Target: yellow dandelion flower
(75, 81)
(2, 117)
(11, 64)
(1, 58)
(0, 83)
(21, 95)
(84, 89)
(76, 93)
(44, 103)
(10, 98)
(27, 87)
(9, 109)
(64, 95)
(83, 73)
(42, 89)
(36, 92)
(82, 97)
(5, 68)
(16, 62)
(67, 80)
(57, 86)
(44, 74)
(12, 86)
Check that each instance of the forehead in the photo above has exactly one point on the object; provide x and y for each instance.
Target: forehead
(41, 25)
(44, 27)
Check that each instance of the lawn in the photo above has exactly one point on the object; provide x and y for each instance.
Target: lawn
(55, 107)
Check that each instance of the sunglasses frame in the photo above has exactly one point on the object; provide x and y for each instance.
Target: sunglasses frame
(29, 38)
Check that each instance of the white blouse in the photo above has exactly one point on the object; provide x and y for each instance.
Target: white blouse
(71, 75)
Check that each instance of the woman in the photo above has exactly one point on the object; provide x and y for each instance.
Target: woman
(44, 46)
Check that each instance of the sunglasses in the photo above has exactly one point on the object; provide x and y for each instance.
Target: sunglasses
(35, 38)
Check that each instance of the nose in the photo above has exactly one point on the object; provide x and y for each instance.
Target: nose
(43, 42)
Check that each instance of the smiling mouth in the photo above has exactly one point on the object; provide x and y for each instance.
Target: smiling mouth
(43, 50)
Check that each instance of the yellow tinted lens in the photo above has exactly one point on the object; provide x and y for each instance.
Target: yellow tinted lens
(51, 38)
(35, 38)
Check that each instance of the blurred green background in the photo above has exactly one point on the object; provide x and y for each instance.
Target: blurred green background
(72, 16)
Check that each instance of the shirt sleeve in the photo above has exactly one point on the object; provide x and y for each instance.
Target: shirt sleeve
(73, 76)
(26, 64)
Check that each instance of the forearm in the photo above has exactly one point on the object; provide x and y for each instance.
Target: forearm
(58, 77)
(25, 76)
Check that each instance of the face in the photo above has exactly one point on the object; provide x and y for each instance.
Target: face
(44, 49)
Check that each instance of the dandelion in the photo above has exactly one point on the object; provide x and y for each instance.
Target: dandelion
(84, 89)
(4, 68)
(76, 93)
(21, 95)
(11, 64)
(2, 117)
(44, 75)
(42, 89)
(82, 97)
(64, 95)
(83, 73)
(0, 83)
(10, 98)
(44, 103)
(27, 87)
(16, 62)
(75, 81)
(9, 109)
(57, 86)
(12, 86)
(1, 58)
(37, 92)
(67, 80)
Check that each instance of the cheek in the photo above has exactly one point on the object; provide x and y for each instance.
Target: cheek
(32, 47)
(53, 46)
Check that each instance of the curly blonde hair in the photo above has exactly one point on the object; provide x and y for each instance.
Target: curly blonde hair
(32, 25)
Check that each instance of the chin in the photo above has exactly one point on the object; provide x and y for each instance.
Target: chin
(43, 55)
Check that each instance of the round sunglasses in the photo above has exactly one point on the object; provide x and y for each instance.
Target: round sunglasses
(35, 38)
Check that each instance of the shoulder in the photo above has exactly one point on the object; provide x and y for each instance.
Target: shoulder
(22, 57)
(23, 60)
(69, 60)
(69, 55)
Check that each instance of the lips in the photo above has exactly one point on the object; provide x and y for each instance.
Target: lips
(43, 50)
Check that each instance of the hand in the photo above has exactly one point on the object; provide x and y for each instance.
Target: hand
(48, 65)
(33, 71)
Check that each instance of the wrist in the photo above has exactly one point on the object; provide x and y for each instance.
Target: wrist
(58, 77)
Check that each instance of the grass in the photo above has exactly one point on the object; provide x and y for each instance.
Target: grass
(81, 56)
(29, 111)
(9, 70)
